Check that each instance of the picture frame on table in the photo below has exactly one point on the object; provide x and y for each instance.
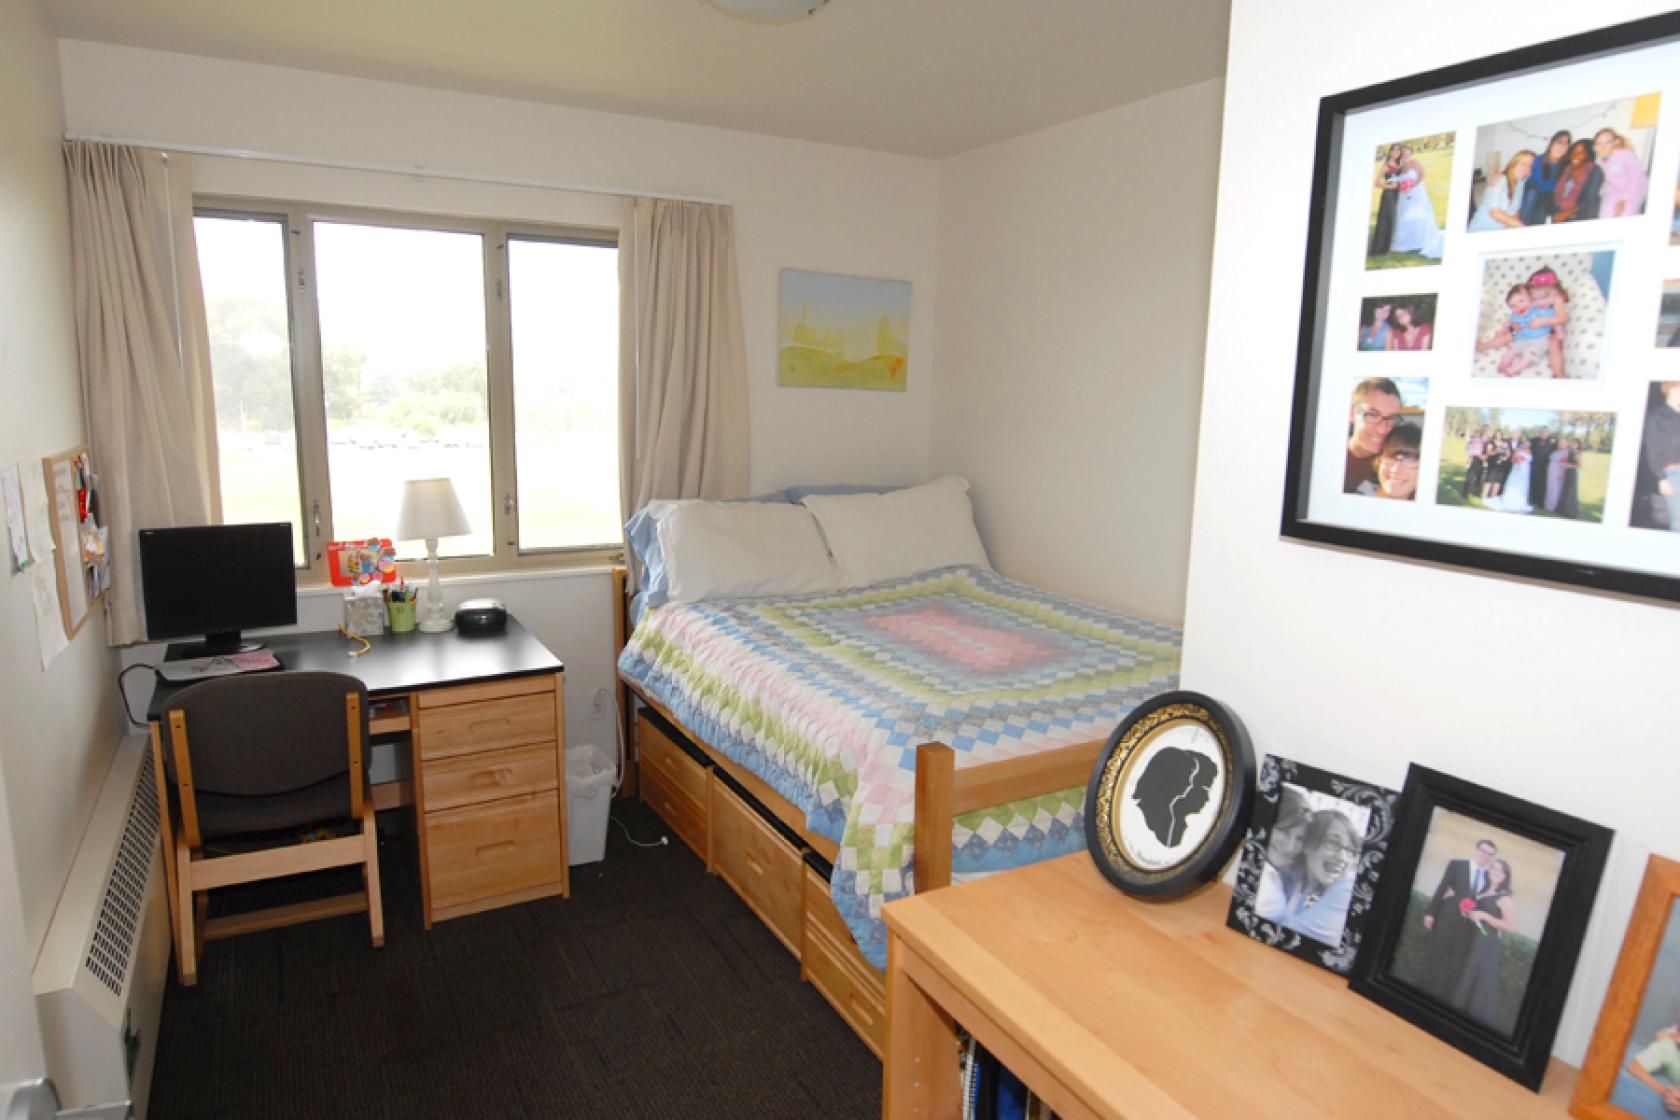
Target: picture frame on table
(1528, 194)
(1479, 917)
(1310, 862)
(1632, 1071)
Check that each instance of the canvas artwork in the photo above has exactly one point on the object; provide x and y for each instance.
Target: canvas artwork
(842, 332)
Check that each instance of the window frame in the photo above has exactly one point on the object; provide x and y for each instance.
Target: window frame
(309, 379)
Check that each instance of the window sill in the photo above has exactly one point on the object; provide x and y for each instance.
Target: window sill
(470, 579)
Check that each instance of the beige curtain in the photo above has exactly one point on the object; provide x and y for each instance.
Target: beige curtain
(683, 423)
(144, 351)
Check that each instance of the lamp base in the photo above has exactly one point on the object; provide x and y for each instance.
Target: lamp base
(436, 625)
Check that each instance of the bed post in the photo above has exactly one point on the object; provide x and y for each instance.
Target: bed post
(935, 815)
(620, 610)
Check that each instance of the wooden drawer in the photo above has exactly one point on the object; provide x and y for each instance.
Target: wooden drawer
(486, 725)
(470, 778)
(835, 967)
(687, 818)
(655, 752)
(495, 848)
(763, 868)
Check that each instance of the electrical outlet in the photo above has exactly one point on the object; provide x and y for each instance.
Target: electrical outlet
(598, 704)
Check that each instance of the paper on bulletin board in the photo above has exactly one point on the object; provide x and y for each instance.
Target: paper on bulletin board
(43, 580)
(16, 535)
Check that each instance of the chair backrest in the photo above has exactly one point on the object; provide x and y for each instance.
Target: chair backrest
(268, 734)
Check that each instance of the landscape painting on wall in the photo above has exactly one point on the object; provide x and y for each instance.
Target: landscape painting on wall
(842, 332)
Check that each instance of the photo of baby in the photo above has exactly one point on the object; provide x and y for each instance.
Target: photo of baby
(1542, 315)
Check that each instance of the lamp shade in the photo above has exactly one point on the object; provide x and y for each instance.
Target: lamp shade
(430, 510)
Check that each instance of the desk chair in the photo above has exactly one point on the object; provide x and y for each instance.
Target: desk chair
(253, 761)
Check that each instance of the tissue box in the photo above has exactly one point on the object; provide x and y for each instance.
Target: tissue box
(364, 615)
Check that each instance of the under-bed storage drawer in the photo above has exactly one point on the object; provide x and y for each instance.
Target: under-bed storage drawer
(673, 784)
(835, 968)
(761, 864)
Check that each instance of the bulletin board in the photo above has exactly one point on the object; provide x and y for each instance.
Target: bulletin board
(80, 543)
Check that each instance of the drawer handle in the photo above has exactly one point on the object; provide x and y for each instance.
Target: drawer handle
(478, 725)
(497, 848)
(500, 776)
(752, 862)
(861, 1009)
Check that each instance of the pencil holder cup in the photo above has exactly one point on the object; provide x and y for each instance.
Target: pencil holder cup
(364, 616)
(401, 615)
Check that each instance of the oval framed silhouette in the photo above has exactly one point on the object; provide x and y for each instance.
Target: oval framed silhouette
(1170, 797)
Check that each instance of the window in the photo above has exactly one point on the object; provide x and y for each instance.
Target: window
(352, 350)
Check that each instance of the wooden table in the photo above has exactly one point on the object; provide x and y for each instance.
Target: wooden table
(1111, 1007)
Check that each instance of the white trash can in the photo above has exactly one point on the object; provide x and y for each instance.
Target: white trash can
(589, 781)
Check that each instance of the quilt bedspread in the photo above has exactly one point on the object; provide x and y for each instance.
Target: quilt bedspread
(826, 697)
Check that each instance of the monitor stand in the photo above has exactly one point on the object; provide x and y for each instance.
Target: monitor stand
(214, 645)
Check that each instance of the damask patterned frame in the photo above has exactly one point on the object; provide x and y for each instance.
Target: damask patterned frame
(1274, 773)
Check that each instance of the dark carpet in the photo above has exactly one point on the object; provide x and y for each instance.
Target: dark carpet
(652, 992)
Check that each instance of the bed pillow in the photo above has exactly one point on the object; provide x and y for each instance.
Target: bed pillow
(878, 537)
(642, 531)
(729, 550)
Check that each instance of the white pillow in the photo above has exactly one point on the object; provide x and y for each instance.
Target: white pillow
(877, 537)
(719, 550)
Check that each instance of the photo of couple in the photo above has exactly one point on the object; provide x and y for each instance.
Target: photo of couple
(1573, 165)
(1397, 322)
(1656, 487)
(1527, 461)
(1411, 179)
(1385, 437)
(1542, 315)
(1478, 906)
(1648, 1083)
(1312, 858)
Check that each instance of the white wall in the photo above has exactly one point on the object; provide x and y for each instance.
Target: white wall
(798, 205)
(1073, 268)
(57, 729)
(1361, 664)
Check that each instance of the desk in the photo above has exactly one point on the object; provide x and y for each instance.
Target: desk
(1107, 1006)
(485, 720)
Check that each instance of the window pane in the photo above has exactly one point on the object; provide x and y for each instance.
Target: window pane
(403, 356)
(564, 303)
(243, 265)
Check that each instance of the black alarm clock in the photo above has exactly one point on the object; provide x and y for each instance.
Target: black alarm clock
(481, 616)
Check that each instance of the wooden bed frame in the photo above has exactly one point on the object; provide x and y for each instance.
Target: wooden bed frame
(943, 792)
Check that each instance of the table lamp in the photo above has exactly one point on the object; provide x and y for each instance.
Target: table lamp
(431, 510)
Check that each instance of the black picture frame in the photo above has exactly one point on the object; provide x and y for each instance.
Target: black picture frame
(1321, 335)
(1394, 928)
(1153, 841)
(1246, 914)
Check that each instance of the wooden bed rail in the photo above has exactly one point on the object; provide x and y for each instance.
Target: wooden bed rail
(944, 793)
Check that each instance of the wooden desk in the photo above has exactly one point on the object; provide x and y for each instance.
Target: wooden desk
(485, 720)
(1110, 1007)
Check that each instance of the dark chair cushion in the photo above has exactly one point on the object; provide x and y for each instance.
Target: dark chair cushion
(220, 816)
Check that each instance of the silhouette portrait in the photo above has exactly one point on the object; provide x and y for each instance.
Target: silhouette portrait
(1173, 787)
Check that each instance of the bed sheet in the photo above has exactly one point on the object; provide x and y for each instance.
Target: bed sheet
(826, 697)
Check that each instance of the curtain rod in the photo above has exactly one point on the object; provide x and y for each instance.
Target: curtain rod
(416, 171)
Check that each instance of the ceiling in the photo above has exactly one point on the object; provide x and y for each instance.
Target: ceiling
(920, 77)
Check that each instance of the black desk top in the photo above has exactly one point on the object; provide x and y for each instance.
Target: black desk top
(403, 662)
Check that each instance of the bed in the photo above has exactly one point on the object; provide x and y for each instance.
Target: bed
(897, 736)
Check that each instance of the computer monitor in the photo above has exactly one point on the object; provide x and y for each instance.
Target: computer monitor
(216, 580)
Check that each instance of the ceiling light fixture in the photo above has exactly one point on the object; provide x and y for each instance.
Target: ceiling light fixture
(768, 11)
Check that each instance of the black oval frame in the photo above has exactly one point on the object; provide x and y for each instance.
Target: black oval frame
(1204, 863)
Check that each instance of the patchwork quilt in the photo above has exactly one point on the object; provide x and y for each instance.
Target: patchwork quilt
(827, 696)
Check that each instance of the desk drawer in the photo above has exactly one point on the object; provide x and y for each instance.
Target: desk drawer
(486, 725)
(495, 848)
(686, 817)
(487, 775)
(763, 868)
(835, 967)
(657, 753)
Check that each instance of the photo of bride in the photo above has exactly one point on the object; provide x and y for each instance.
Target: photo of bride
(1410, 181)
(1529, 461)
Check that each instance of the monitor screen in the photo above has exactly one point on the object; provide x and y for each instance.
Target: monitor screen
(217, 580)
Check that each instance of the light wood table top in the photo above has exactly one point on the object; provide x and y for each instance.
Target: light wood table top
(1108, 1006)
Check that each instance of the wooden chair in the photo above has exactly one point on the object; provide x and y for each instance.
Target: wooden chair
(253, 762)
